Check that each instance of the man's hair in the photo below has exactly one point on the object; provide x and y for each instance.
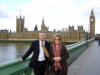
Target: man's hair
(42, 33)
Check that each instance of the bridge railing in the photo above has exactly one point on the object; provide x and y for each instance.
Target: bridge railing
(21, 68)
(76, 49)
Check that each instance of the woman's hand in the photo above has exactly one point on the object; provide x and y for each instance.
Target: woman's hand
(57, 58)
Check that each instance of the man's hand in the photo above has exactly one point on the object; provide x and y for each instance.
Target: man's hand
(20, 59)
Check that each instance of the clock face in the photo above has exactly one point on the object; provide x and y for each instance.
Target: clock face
(92, 19)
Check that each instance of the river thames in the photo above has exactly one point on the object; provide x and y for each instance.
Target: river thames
(11, 51)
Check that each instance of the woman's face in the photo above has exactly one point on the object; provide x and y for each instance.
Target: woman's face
(57, 40)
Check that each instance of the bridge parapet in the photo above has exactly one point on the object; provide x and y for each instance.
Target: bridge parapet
(76, 49)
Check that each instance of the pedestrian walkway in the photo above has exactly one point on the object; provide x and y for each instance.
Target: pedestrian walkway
(87, 63)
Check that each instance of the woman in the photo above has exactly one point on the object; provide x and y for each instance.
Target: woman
(58, 57)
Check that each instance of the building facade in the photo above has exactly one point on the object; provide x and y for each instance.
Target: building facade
(19, 24)
(70, 34)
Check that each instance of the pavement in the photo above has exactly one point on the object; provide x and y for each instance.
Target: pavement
(88, 63)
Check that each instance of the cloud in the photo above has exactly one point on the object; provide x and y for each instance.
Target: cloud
(57, 13)
(2, 6)
(3, 14)
(97, 10)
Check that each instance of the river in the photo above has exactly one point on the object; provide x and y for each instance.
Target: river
(11, 51)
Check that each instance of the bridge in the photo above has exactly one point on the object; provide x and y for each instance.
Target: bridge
(87, 62)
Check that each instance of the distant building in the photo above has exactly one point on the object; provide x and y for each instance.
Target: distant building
(70, 34)
(36, 28)
(43, 27)
(92, 24)
(3, 34)
(20, 24)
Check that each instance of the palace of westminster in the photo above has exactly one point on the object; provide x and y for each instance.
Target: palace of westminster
(70, 35)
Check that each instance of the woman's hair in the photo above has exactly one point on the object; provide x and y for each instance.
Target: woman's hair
(56, 35)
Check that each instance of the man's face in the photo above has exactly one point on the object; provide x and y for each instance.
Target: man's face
(42, 36)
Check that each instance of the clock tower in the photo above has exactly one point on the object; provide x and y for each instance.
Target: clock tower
(92, 24)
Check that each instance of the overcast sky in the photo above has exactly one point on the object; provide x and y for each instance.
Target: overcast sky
(57, 14)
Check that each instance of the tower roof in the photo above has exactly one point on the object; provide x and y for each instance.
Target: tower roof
(43, 21)
(92, 13)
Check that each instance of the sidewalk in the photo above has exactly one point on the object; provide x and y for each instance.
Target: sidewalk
(88, 63)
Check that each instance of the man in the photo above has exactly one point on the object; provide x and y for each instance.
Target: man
(39, 60)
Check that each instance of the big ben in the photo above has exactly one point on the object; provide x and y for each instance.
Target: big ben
(92, 24)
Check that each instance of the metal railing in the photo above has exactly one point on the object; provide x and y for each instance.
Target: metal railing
(21, 68)
(76, 49)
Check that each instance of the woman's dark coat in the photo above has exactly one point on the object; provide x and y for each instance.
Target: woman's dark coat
(64, 56)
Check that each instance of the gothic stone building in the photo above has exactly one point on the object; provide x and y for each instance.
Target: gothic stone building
(70, 35)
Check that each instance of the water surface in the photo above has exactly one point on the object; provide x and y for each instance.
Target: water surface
(11, 51)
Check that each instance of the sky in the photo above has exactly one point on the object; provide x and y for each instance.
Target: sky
(57, 14)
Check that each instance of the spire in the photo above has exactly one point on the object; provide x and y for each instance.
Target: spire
(92, 13)
(43, 21)
(36, 28)
(20, 13)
